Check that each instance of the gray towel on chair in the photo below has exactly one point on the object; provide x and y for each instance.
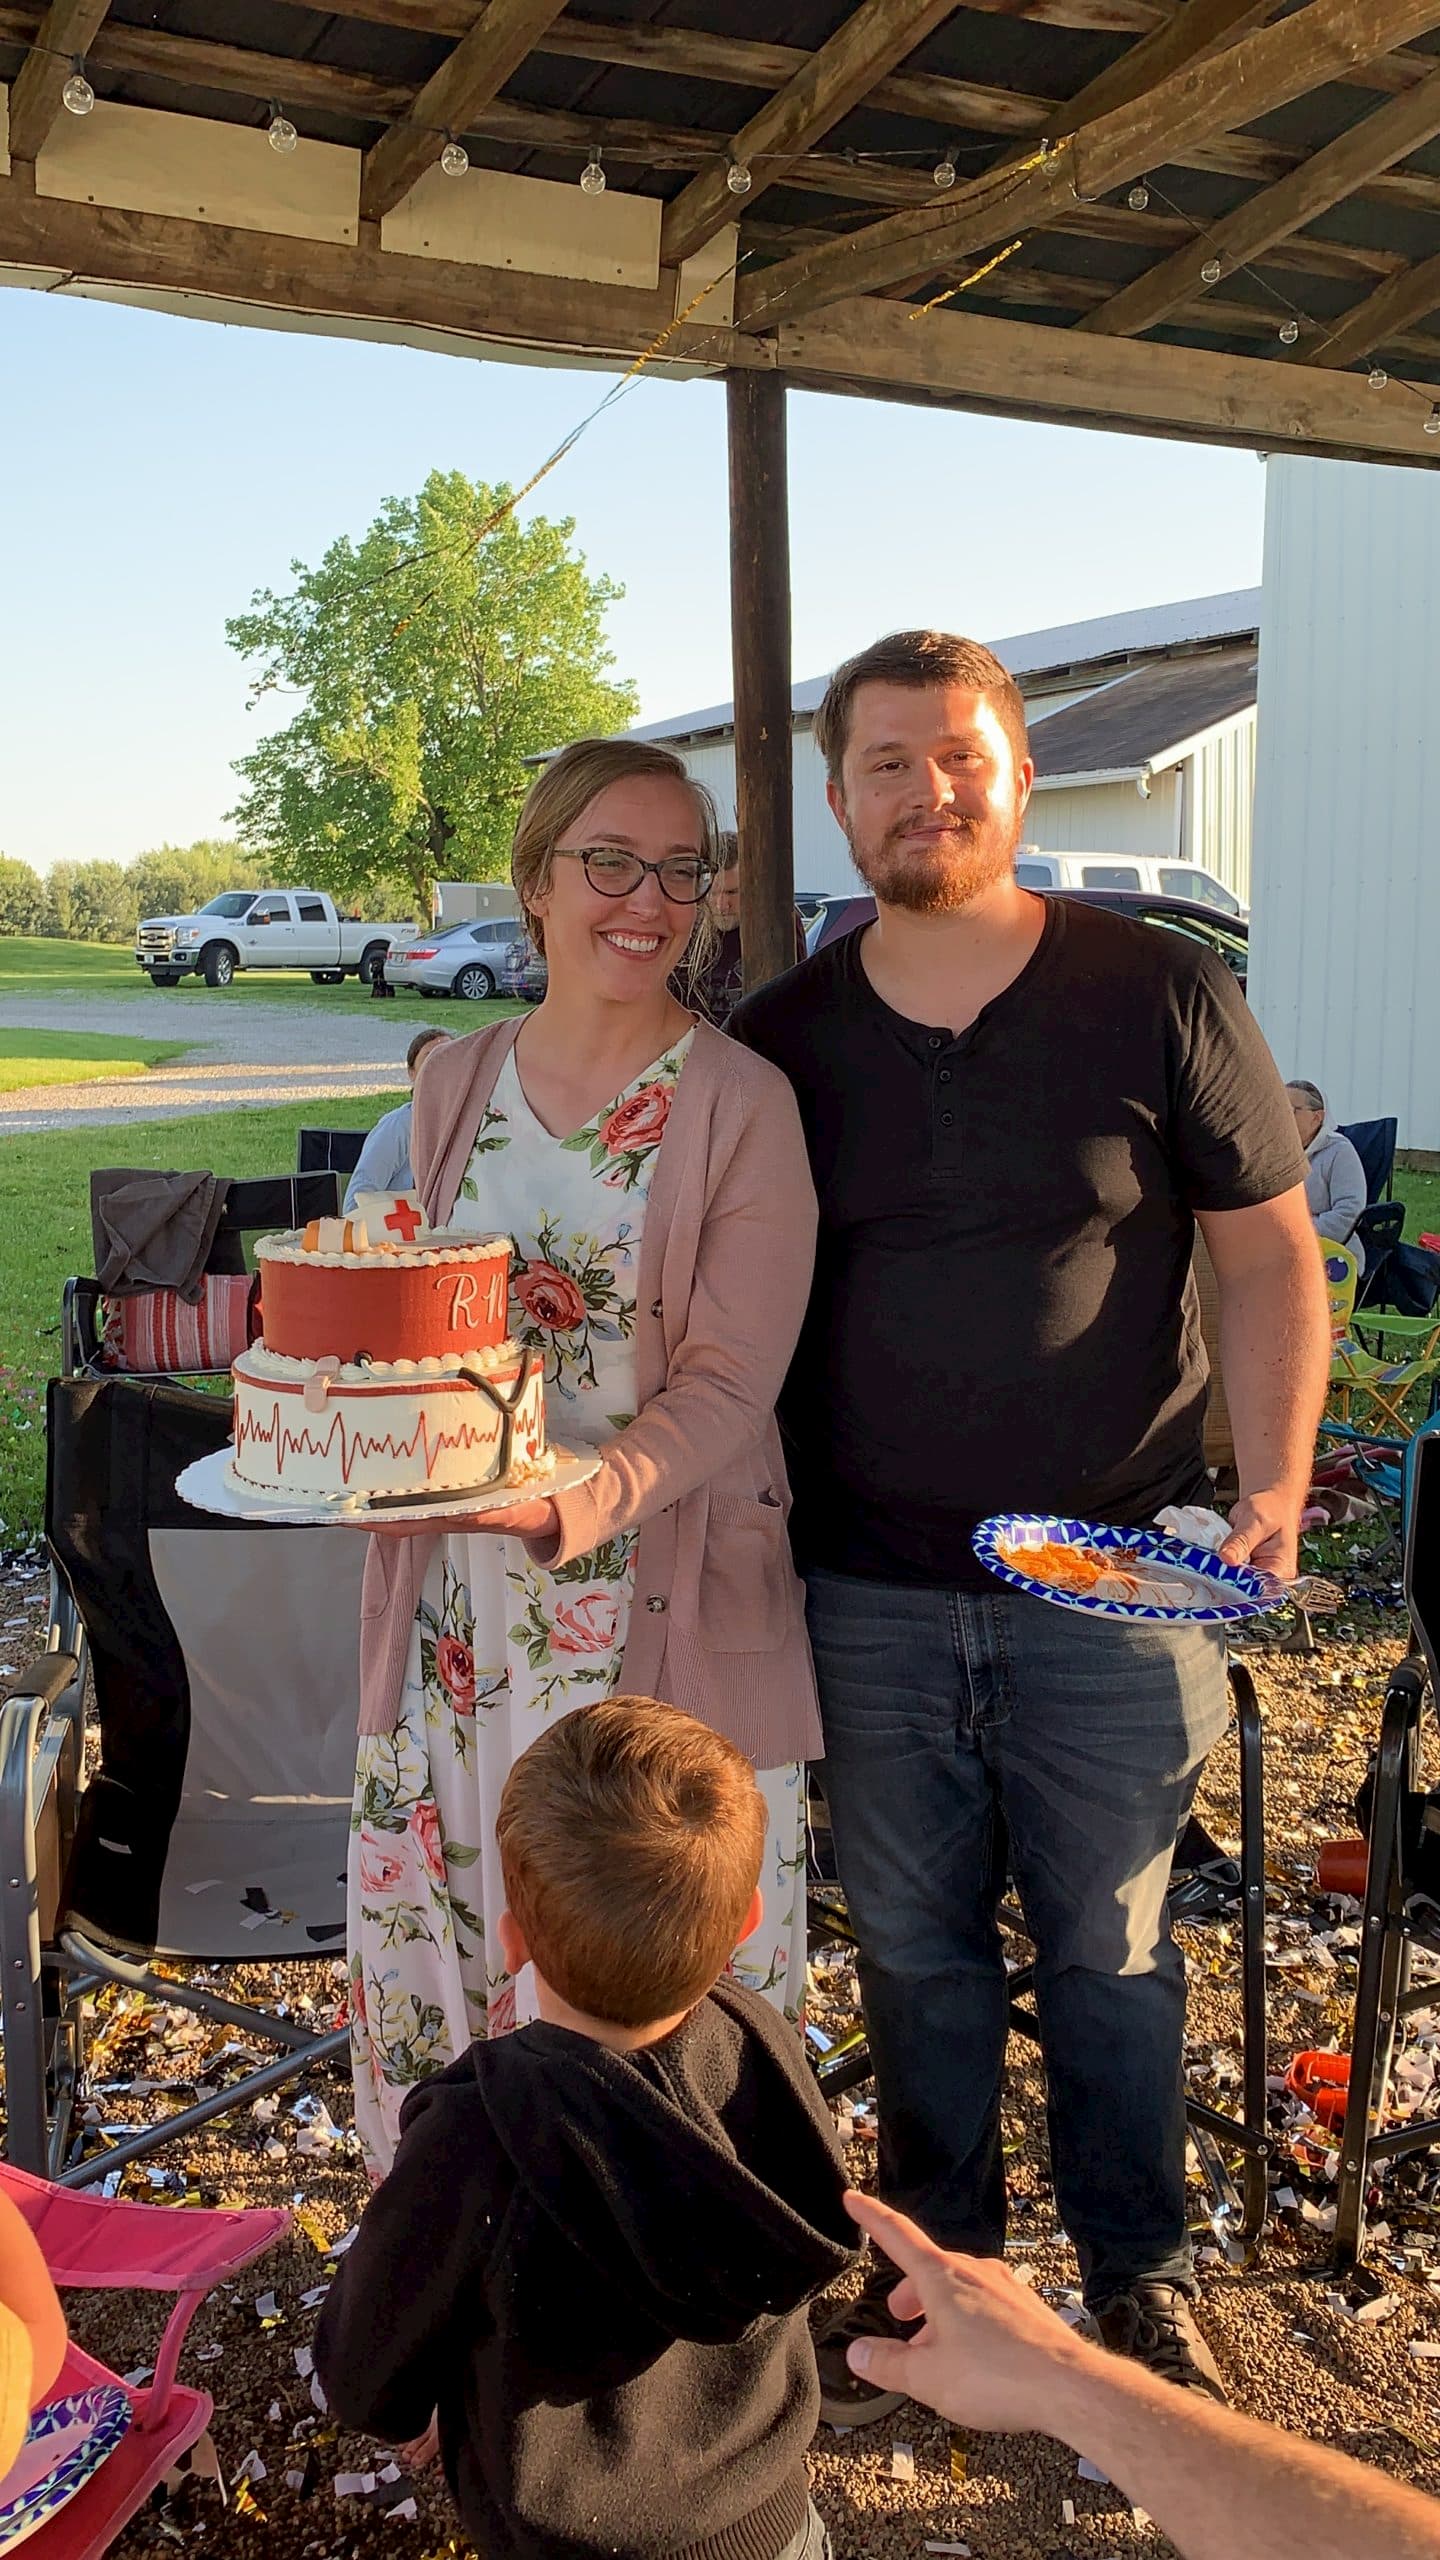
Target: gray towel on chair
(154, 1230)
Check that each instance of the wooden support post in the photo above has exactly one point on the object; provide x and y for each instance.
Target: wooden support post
(760, 654)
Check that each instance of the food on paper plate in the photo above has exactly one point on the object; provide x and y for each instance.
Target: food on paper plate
(1096, 1573)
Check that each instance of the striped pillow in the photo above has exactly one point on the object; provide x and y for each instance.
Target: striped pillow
(161, 1330)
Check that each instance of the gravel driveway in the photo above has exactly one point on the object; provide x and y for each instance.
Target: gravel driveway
(243, 1053)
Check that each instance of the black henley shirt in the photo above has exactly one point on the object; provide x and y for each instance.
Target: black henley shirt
(1002, 1318)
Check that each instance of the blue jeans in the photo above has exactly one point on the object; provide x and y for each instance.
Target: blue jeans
(968, 1735)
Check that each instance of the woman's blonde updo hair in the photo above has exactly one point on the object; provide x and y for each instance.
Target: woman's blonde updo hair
(563, 791)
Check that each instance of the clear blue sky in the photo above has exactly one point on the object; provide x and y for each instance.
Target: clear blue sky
(158, 470)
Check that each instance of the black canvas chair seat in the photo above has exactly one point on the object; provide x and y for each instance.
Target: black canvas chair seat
(214, 1828)
(329, 1151)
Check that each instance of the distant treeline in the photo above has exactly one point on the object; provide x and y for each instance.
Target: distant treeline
(104, 901)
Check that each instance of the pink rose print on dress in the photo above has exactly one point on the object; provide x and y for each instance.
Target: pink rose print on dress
(500, 2011)
(586, 1625)
(425, 1831)
(381, 1867)
(550, 1297)
(455, 1670)
(359, 2014)
(640, 1122)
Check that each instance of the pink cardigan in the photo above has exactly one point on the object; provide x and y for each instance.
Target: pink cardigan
(717, 1622)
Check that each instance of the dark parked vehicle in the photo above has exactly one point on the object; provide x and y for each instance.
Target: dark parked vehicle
(1227, 936)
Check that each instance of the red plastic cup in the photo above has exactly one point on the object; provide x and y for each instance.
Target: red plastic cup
(1323, 2081)
(1342, 1867)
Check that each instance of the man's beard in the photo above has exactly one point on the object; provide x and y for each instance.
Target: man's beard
(940, 878)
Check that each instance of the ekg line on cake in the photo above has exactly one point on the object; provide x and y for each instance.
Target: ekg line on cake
(306, 1443)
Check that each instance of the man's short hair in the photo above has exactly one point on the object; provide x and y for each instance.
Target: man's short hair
(919, 660)
(630, 1842)
(422, 1040)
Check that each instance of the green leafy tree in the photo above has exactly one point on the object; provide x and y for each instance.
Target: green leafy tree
(103, 906)
(175, 879)
(432, 657)
(24, 902)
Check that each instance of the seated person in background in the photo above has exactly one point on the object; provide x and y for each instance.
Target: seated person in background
(1335, 1178)
(384, 1163)
(1219, 2486)
(593, 2253)
(714, 985)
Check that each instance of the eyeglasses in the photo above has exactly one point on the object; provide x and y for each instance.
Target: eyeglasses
(684, 878)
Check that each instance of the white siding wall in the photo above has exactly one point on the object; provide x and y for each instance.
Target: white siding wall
(822, 857)
(1218, 806)
(1104, 817)
(1345, 930)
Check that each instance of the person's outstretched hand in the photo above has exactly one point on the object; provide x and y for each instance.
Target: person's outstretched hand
(988, 2353)
(1265, 1533)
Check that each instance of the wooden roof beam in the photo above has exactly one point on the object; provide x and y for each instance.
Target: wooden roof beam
(864, 47)
(1378, 321)
(467, 80)
(1249, 79)
(65, 31)
(1200, 28)
(1326, 178)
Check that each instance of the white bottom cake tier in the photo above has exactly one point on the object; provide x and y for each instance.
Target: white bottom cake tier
(314, 1431)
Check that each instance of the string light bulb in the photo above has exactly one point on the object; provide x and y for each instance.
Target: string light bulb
(454, 159)
(1432, 423)
(1211, 271)
(1377, 377)
(77, 93)
(1289, 332)
(737, 178)
(1139, 197)
(592, 176)
(281, 133)
(944, 173)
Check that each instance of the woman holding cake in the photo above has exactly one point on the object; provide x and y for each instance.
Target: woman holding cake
(654, 1180)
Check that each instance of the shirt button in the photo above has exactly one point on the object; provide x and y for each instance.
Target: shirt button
(655, 1309)
(937, 1039)
(947, 1119)
(655, 1605)
(944, 1075)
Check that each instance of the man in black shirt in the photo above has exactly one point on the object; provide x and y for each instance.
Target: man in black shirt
(1017, 1110)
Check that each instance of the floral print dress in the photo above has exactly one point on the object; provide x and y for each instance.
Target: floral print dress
(501, 1646)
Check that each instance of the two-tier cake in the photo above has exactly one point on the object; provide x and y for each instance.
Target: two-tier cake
(384, 1365)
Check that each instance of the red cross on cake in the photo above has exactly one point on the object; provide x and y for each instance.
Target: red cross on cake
(391, 1217)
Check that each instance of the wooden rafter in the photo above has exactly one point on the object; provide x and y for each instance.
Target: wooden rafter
(1201, 28)
(1326, 178)
(960, 360)
(1248, 80)
(65, 31)
(467, 80)
(1410, 296)
(864, 47)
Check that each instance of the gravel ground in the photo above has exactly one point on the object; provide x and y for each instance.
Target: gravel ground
(242, 1054)
(1289, 2353)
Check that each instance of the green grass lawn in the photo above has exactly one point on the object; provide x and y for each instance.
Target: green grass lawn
(45, 1236)
(34, 968)
(77, 1057)
(1421, 1195)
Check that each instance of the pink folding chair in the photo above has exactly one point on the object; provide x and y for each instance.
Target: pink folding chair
(94, 2244)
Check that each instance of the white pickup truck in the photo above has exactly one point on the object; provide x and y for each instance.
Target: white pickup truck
(262, 929)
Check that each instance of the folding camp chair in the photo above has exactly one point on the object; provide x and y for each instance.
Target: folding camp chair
(1374, 1144)
(1367, 1393)
(1401, 1909)
(329, 1151)
(91, 2245)
(251, 1209)
(214, 1828)
(844, 2063)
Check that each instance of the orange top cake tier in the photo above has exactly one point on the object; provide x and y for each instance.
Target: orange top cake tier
(446, 1294)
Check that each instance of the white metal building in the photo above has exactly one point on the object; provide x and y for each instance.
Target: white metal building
(1346, 924)
(1142, 725)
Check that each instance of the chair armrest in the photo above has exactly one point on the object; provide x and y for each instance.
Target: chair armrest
(48, 1679)
(99, 2243)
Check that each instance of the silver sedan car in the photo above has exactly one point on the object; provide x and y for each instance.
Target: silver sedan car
(458, 960)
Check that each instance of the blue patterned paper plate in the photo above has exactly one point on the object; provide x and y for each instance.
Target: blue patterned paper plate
(1222, 1591)
(79, 2431)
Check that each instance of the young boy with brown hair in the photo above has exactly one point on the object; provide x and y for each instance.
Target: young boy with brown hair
(594, 2251)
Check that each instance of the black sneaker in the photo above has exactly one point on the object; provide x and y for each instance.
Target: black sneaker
(846, 2398)
(1155, 2323)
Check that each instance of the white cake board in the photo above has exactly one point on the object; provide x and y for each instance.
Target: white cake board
(210, 1485)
